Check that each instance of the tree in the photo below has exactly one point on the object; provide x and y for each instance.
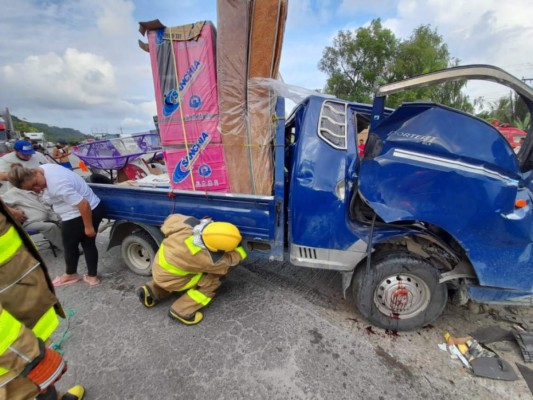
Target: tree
(52, 133)
(511, 110)
(357, 64)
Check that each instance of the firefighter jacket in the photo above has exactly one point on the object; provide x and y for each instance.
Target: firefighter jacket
(29, 308)
(186, 261)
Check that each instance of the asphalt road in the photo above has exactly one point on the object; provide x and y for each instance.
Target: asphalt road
(274, 331)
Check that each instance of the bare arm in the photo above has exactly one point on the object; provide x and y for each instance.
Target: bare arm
(18, 214)
(4, 176)
(87, 217)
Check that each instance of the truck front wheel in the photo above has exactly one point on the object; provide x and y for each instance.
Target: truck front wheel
(138, 251)
(401, 292)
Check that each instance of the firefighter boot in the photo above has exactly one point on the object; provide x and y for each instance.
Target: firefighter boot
(146, 296)
(192, 320)
(74, 393)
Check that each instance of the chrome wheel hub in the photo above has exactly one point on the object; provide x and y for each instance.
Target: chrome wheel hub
(402, 296)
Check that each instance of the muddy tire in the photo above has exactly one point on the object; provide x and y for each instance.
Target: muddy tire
(400, 293)
(138, 251)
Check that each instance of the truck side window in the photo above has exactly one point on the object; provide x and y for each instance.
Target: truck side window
(332, 124)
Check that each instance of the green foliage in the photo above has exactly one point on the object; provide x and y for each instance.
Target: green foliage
(23, 126)
(507, 109)
(358, 63)
(51, 133)
(523, 124)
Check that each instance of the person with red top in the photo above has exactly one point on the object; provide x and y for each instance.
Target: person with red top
(361, 147)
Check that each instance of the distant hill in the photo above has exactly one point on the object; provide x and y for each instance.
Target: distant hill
(51, 133)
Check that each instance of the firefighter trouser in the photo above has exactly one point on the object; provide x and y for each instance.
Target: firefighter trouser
(22, 388)
(192, 299)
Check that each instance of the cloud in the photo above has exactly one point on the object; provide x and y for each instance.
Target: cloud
(133, 123)
(476, 31)
(365, 7)
(76, 63)
(305, 14)
(71, 80)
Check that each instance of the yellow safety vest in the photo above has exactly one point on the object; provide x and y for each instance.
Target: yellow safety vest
(10, 242)
(194, 294)
(10, 327)
(178, 271)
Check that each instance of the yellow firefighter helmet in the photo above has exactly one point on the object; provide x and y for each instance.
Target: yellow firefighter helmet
(221, 236)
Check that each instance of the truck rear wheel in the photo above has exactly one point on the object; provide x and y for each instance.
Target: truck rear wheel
(138, 251)
(400, 293)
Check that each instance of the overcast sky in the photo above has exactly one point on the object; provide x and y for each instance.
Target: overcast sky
(76, 63)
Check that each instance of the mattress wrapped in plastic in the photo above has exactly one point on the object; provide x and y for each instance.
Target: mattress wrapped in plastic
(247, 136)
(266, 38)
(233, 29)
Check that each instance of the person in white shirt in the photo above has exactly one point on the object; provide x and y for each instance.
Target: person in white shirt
(39, 216)
(78, 207)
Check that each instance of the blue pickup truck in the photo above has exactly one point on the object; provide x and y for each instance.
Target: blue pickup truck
(439, 205)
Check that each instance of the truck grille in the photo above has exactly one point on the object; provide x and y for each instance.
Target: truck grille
(307, 252)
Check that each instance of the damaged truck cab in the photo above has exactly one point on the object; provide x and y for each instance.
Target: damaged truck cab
(450, 205)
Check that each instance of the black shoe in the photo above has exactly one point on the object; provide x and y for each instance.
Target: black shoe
(146, 296)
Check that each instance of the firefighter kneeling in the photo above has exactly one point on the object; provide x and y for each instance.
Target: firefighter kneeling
(192, 258)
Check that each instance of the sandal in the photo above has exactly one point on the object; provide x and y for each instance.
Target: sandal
(57, 281)
(86, 279)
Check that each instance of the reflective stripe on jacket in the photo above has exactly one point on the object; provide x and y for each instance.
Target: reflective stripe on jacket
(10, 242)
(29, 308)
(194, 294)
(178, 271)
(10, 331)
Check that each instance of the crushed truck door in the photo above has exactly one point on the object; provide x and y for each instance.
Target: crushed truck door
(438, 166)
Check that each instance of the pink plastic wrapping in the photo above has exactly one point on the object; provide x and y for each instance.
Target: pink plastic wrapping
(184, 72)
(185, 101)
(205, 164)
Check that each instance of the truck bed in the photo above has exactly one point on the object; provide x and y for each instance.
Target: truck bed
(254, 215)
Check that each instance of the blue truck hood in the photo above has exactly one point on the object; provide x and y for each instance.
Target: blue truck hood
(436, 165)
